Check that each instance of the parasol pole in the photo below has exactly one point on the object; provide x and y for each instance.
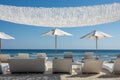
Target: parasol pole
(55, 43)
(96, 46)
(0, 44)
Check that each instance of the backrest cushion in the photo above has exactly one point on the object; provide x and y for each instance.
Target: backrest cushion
(4, 57)
(116, 67)
(23, 56)
(89, 55)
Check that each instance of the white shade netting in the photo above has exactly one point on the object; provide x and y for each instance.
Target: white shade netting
(61, 17)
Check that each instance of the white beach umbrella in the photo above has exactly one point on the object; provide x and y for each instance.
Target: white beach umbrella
(4, 36)
(96, 35)
(56, 33)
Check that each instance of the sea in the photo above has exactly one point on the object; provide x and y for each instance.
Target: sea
(78, 54)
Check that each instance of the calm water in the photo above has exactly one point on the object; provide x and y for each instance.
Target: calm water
(77, 54)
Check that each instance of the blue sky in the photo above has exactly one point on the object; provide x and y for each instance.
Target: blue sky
(28, 37)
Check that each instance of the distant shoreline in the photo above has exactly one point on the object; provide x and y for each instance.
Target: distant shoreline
(61, 49)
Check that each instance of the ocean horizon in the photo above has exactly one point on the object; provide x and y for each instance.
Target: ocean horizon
(78, 54)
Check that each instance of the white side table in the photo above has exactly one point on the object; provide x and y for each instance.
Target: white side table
(79, 65)
(5, 67)
(108, 66)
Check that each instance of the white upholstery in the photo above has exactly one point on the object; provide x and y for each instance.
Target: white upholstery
(89, 55)
(113, 67)
(92, 66)
(42, 55)
(27, 65)
(4, 67)
(108, 66)
(23, 56)
(4, 58)
(62, 65)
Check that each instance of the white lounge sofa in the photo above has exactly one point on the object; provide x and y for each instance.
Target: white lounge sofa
(92, 66)
(27, 65)
(62, 66)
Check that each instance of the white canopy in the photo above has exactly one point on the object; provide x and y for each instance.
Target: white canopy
(96, 34)
(61, 17)
(5, 36)
(56, 33)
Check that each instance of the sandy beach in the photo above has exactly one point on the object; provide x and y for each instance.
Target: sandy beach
(48, 75)
(59, 39)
